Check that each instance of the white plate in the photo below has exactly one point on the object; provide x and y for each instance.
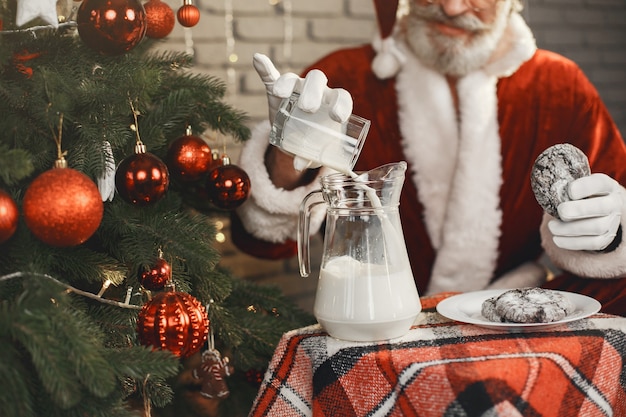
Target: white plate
(466, 309)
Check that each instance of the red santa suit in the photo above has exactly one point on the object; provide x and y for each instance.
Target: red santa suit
(469, 216)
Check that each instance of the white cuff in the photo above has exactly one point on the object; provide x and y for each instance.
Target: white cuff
(585, 263)
(271, 213)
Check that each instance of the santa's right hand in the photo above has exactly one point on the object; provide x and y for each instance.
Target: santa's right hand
(313, 90)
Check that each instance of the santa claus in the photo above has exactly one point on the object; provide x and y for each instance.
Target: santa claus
(459, 90)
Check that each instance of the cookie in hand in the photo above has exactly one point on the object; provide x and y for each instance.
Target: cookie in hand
(552, 172)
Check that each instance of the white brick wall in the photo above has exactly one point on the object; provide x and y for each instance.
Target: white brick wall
(591, 32)
(317, 27)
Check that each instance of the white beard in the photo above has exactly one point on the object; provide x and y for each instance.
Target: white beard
(451, 55)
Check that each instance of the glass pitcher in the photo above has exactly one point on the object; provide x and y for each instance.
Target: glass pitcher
(366, 290)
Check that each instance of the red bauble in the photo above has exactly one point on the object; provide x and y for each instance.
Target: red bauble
(189, 158)
(160, 18)
(9, 216)
(111, 27)
(227, 186)
(142, 179)
(157, 276)
(188, 15)
(175, 321)
(62, 207)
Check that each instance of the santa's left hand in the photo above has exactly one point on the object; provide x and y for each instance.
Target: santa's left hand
(591, 219)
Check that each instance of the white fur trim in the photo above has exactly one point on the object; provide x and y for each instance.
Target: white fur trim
(457, 164)
(519, 44)
(429, 139)
(271, 213)
(584, 263)
(389, 58)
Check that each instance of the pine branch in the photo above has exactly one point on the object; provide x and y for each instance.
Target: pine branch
(33, 316)
(139, 362)
(264, 309)
(15, 165)
(15, 395)
(134, 235)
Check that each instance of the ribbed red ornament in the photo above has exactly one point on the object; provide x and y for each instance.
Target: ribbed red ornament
(160, 18)
(63, 207)
(188, 15)
(9, 216)
(175, 321)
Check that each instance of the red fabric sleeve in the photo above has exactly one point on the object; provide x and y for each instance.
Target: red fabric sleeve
(259, 248)
(611, 293)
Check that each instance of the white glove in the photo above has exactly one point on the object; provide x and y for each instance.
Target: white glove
(591, 219)
(313, 90)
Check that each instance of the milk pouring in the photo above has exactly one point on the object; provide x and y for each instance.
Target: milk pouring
(366, 290)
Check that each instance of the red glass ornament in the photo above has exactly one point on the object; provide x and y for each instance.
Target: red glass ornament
(9, 216)
(175, 321)
(227, 186)
(63, 207)
(157, 276)
(111, 27)
(189, 158)
(142, 179)
(188, 15)
(160, 19)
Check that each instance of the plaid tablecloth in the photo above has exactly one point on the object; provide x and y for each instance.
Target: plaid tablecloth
(445, 368)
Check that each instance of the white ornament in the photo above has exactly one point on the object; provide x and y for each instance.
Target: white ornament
(106, 181)
(28, 10)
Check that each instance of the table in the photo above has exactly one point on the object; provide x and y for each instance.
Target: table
(446, 368)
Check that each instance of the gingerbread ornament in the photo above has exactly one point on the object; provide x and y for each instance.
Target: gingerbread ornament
(213, 372)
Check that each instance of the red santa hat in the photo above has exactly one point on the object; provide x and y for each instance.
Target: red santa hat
(389, 58)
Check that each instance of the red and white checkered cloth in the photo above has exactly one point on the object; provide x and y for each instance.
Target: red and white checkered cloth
(445, 368)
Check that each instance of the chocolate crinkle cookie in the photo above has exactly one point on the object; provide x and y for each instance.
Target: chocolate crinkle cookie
(552, 172)
(527, 305)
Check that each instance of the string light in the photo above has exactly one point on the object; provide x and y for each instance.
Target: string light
(287, 32)
(287, 11)
(231, 56)
(129, 293)
(189, 49)
(105, 286)
(71, 289)
(220, 237)
(34, 29)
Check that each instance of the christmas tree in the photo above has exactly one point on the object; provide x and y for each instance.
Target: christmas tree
(112, 301)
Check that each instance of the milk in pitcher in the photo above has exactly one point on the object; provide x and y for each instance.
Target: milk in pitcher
(364, 301)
